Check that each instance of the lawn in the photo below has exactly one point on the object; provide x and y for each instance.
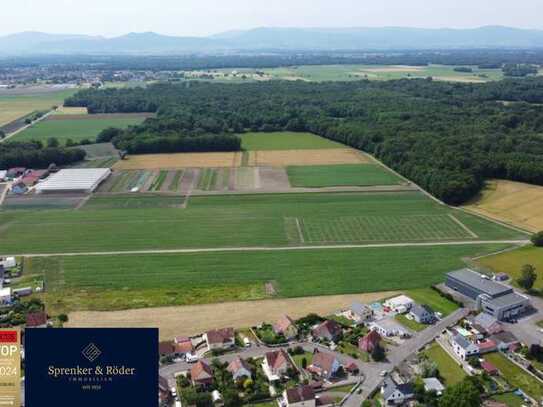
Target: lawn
(516, 376)
(286, 140)
(448, 367)
(13, 107)
(308, 356)
(241, 220)
(511, 263)
(76, 130)
(133, 281)
(410, 323)
(430, 297)
(510, 399)
(340, 175)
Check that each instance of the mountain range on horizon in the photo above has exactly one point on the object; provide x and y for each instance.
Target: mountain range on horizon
(270, 39)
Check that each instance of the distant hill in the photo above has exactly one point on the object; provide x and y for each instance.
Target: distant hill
(321, 39)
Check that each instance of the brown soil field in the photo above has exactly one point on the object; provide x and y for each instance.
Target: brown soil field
(511, 202)
(282, 158)
(179, 160)
(101, 116)
(71, 110)
(194, 319)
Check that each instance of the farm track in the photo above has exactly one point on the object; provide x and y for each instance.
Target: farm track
(279, 248)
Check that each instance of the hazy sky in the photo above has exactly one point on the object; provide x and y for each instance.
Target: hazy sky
(203, 17)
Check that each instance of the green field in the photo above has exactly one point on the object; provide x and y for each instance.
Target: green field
(340, 175)
(448, 367)
(116, 281)
(516, 376)
(430, 297)
(285, 140)
(13, 107)
(509, 399)
(243, 220)
(76, 129)
(511, 262)
(321, 73)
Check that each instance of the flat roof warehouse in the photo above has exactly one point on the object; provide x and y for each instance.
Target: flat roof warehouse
(74, 180)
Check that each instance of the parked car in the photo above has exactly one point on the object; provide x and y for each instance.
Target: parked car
(192, 358)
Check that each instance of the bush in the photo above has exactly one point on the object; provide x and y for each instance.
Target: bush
(537, 239)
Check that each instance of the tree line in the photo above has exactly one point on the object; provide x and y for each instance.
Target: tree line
(34, 155)
(447, 137)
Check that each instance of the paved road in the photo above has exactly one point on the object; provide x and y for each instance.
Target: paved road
(526, 329)
(264, 248)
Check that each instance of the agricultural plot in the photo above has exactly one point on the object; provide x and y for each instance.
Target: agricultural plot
(340, 175)
(238, 220)
(348, 229)
(512, 202)
(284, 158)
(135, 281)
(143, 181)
(14, 106)
(42, 202)
(286, 140)
(99, 150)
(179, 160)
(63, 110)
(107, 162)
(140, 201)
(73, 127)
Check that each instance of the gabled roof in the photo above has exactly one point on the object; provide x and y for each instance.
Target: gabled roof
(420, 310)
(323, 361)
(220, 335)
(370, 341)
(488, 367)
(389, 387)
(200, 371)
(360, 309)
(183, 347)
(283, 324)
(34, 319)
(277, 359)
(486, 323)
(165, 348)
(328, 327)
(237, 364)
(432, 383)
(299, 394)
(463, 342)
(504, 337)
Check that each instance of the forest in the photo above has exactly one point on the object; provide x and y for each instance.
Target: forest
(35, 155)
(447, 137)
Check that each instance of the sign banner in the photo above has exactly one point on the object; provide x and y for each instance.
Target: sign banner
(91, 367)
(10, 367)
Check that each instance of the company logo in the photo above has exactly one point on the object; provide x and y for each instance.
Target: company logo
(91, 352)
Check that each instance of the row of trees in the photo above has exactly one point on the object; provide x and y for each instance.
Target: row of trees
(446, 137)
(35, 155)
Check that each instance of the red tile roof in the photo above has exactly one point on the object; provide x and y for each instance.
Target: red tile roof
(300, 393)
(201, 371)
(165, 348)
(323, 362)
(370, 341)
(34, 319)
(328, 328)
(220, 335)
(283, 324)
(489, 367)
(277, 359)
(237, 364)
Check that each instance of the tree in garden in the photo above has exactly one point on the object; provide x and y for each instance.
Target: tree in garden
(528, 277)
(378, 353)
(537, 239)
(463, 394)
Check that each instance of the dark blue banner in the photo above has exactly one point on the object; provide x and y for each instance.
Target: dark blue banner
(91, 367)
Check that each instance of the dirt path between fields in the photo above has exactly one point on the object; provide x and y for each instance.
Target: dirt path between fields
(264, 248)
(194, 319)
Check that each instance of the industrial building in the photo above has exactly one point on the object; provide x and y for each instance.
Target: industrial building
(493, 298)
(77, 180)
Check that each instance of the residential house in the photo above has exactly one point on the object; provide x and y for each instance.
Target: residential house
(239, 369)
(220, 339)
(505, 341)
(19, 188)
(422, 314)
(489, 368)
(327, 330)
(301, 396)
(164, 393)
(463, 348)
(166, 348)
(182, 345)
(369, 342)
(201, 374)
(5, 296)
(400, 304)
(486, 324)
(433, 384)
(15, 172)
(360, 313)
(276, 364)
(36, 320)
(396, 394)
(286, 326)
(487, 346)
(324, 364)
(389, 327)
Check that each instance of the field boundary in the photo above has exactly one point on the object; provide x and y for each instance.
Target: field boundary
(278, 248)
(468, 230)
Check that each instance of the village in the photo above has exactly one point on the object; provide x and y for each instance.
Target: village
(393, 352)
